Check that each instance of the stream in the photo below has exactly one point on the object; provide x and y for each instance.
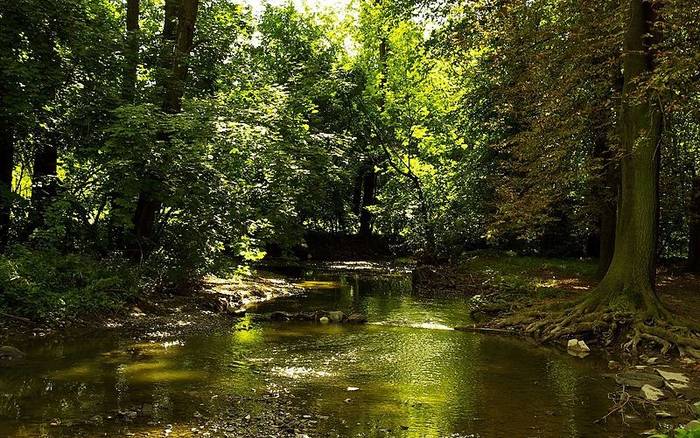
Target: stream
(405, 373)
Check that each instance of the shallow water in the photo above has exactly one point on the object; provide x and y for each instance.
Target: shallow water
(404, 374)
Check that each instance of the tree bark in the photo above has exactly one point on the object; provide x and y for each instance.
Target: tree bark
(6, 166)
(131, 50)
(175, 85)
(44, 182)
(178, 34)
(606, 198)
(629, 283)
(369, 182)
(694, 223)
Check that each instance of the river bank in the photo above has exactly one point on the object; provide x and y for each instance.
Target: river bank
(504, 287)
(190, 365)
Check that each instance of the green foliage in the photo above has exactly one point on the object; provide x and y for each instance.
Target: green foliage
(680, 433)
(48, 286)
(447, 127)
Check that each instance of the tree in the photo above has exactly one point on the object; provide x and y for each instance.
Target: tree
(178, 34)
(631, 279)
(131, 50)
(694, 224)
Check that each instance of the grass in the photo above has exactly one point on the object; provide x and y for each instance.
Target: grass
(537, 277)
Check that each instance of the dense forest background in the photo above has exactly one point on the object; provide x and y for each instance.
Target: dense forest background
(144, 143)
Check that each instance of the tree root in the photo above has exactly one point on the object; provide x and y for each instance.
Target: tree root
(605, 326)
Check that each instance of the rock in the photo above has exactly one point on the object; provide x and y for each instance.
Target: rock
(305, 316)
(10, 353)
(220, 304)
(693, 425)
(696, 408)
(324, 320)
(674, 380)
(664, 414)
(637, 380)
(357, 318)
(239, 312)
(652, 360)
(577, 346)
(652, 394)
(336, 316)
(279, 316)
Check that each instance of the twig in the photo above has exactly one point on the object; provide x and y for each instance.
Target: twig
(18, 318)
(619, 406)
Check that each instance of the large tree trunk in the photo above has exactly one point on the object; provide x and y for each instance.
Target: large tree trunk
(6, 166)
(694, 222)
(629, 283)
(44, 182)
(131, 50)
(178, 33)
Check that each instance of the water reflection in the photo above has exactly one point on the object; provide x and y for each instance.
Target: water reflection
(413, 376)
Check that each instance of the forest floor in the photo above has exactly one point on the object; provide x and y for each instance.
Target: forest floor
(506, 283)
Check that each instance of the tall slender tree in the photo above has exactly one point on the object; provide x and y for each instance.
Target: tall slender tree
(131, 50)
(178, 34)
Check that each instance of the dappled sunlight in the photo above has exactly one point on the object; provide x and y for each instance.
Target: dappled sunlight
(309, 284)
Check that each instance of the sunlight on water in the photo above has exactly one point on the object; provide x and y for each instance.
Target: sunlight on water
(408, 373)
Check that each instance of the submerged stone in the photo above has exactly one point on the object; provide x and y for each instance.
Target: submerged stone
(357, 318)
(10, 353)
(336, 316)
(637, 380)
(279, 316)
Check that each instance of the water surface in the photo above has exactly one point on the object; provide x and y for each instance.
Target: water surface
(403, 374)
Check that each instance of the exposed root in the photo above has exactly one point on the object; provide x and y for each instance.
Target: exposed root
(605, 326)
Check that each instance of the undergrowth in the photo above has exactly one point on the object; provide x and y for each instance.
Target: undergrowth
(48, 286)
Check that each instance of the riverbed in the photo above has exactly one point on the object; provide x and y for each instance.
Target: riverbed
(406, 373)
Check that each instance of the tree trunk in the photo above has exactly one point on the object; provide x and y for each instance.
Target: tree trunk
(44, 182)
(606, 241)
(694, 223)
(6, 166)
(629, 283)
(131, 50)
(178, 33)
(369, 183)
(175, 85)
(606, 198)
